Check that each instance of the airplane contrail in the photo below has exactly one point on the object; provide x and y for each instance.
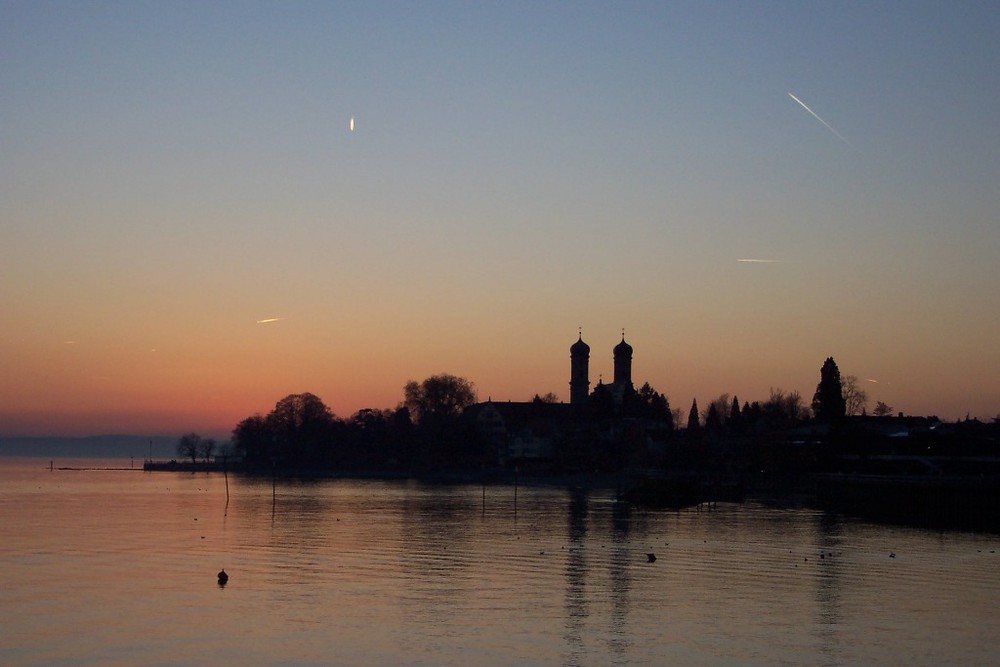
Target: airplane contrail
(763, 261)
(270, 319)
(816, 116)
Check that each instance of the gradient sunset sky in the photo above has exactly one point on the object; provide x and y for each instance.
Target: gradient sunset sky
(191, 230)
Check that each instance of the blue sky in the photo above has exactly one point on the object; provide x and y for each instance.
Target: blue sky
(173, 172)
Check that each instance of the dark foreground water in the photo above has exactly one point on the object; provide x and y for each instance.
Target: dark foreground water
(119, 568)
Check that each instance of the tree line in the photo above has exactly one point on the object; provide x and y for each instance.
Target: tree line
(836, 397)
(426, 429)
(301, 432)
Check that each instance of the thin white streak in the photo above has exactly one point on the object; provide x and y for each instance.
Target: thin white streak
(871, 380)
(270, 319)
(828, 126)
(763, 261)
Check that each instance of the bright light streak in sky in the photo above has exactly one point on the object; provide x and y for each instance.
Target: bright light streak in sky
(828, 126)
(168, 173)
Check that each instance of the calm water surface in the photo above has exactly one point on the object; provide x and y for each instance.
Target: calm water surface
(118, 568)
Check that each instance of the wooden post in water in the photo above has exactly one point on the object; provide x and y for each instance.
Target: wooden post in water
(225, 473)
(274, 474)
(515, 492)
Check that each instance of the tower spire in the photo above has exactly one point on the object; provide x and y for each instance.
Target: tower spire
(623, 363)
(579, 381)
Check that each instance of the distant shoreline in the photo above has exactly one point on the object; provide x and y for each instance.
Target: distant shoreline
(70, 468)
(122, 447)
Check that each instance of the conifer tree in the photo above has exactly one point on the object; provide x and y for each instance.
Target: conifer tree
(828, 402)
(713, 421)
(735, 417)
(693, 424)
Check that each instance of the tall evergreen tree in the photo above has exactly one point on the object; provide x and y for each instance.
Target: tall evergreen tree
(693, 423)
(713, 420)
(828, 402)
(735, 417)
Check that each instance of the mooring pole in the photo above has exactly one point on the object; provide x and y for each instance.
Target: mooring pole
(515, 492)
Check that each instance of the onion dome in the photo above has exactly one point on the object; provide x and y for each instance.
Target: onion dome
(579, 348)
(623, 348)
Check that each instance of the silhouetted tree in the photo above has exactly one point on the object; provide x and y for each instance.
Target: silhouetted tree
(438, 397)
(828, 402)
(372, 423)
(693, 424)
(782, 410)
(399, 449)
(884, 410)
(752, 416)
(713, 421)
(648, 403)
(437, 404)
(189, 446)
(855, 398)
(547, 398)
(253, 441)
(721, 405)
(302, 428)
(207, 448)
(735, 417)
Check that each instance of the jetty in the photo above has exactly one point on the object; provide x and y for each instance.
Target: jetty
(186, 466)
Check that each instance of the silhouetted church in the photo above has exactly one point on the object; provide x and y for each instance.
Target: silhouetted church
(579, 374)
(528, 430)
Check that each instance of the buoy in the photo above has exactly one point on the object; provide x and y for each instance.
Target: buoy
(223, 577)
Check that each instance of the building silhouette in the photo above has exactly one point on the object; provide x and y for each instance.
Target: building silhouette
(579, 370)
(528, 431)
(579, 380)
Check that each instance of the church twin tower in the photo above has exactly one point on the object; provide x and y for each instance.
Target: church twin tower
(579, 374)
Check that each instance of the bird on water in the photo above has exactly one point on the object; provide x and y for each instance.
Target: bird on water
(223, 577)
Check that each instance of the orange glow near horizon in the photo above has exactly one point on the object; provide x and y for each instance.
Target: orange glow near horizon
(183, 246)
(209, 388)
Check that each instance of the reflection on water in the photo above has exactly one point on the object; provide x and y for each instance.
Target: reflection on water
(827, 584)
(576, 571)
(120, 568)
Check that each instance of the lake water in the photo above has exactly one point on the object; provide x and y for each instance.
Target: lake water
(119, 568)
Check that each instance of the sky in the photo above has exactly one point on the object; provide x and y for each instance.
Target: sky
(206, 207)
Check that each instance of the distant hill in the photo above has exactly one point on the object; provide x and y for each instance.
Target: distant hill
(97, 446)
